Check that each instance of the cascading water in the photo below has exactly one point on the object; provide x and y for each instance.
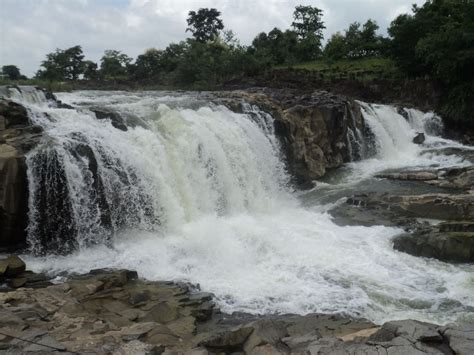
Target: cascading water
(192, 191)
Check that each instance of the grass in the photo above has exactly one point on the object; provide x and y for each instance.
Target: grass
(49, 85)
(363, 68)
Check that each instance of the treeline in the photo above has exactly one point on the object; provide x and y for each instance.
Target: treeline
(435, 41)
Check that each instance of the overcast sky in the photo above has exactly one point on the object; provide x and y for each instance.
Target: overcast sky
(31, 28)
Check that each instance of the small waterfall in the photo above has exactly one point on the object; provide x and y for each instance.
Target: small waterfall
(89, 180)
(389, 135)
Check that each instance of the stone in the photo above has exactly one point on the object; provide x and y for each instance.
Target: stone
(17, 282)
(455, 247)
(16, 266)
(115, 119)
(419, 138)
(228, 341)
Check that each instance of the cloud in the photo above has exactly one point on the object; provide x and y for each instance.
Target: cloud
(32, 28)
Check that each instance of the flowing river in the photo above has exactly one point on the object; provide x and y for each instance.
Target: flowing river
(192, 191)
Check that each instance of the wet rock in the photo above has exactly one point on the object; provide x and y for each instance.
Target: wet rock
(115, 119)
(419, 138)
(411, 176)
(228, 341)
(437, 242)
(312, 127)
(436, 206)
(88, 314)
(11, 267)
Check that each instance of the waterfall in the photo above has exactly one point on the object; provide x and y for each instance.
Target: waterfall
(188, 190)
(89, 180)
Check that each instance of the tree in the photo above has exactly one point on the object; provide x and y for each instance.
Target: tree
(307, 22)
(114, 63)
(437, 41)
(75, 62)
(149, 64)
(90, 70)
(204, 24)
(336, 47)
(65, 64)
(12, 72)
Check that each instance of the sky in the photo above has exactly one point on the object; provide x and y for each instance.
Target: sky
(29, 29)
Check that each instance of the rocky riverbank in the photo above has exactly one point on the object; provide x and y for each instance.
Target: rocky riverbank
(115, 312)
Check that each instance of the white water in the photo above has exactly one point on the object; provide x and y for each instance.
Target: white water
(223, 216)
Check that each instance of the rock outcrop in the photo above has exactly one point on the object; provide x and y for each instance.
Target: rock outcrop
(312, 128)
(114, 312)
(448, 241)
(17, 138)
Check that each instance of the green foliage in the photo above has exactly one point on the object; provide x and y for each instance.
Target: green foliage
(204, 24)
(336, 48)
(11, 72)
(437, 40)
(90, 70)
(113, 64)
(65, 64)
(358, 69)
(307, 21)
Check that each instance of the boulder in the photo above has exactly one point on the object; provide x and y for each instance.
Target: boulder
(115, 119)
(447, 242)
(17, 138)
(419, 138)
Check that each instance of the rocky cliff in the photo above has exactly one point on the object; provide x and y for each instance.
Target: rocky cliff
(17, 138)
(312, 128)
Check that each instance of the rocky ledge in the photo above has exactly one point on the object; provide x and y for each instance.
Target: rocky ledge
(438, 224)
(17, 138)
(114, 312)
(312, 127)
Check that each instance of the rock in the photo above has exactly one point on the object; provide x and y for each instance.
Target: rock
(64, 317)
(228, 341)
(413, 176)
(312, 127)
(419, 138)
(16, 266)
(446, 246)
(436, 206)
(17, 282)
(114, 118)
(17, 137)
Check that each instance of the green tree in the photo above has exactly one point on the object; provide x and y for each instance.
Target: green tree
(90, 70)
(437, 40)
(62, 64)
(336, 47)
(12, 72)
(148, 64)
(114, 64)
(308, 26)
(204, 24)
(74, 62)
(307, 22)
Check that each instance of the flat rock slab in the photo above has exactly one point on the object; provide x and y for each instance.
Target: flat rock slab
(112, 311)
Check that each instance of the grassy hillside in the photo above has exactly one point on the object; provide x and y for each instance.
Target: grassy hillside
(360, 69)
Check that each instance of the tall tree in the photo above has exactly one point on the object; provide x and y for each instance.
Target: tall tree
(114, 63)
(336, 47)
(75, 62)
(308, 22)
(62, 64)
(204, 24)
(12, 72)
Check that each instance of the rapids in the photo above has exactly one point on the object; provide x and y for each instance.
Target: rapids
(194, 192)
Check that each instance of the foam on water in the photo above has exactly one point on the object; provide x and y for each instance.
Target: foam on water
(218, 212)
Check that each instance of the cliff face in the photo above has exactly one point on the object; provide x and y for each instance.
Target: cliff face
(312, 128)
(17, 138)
